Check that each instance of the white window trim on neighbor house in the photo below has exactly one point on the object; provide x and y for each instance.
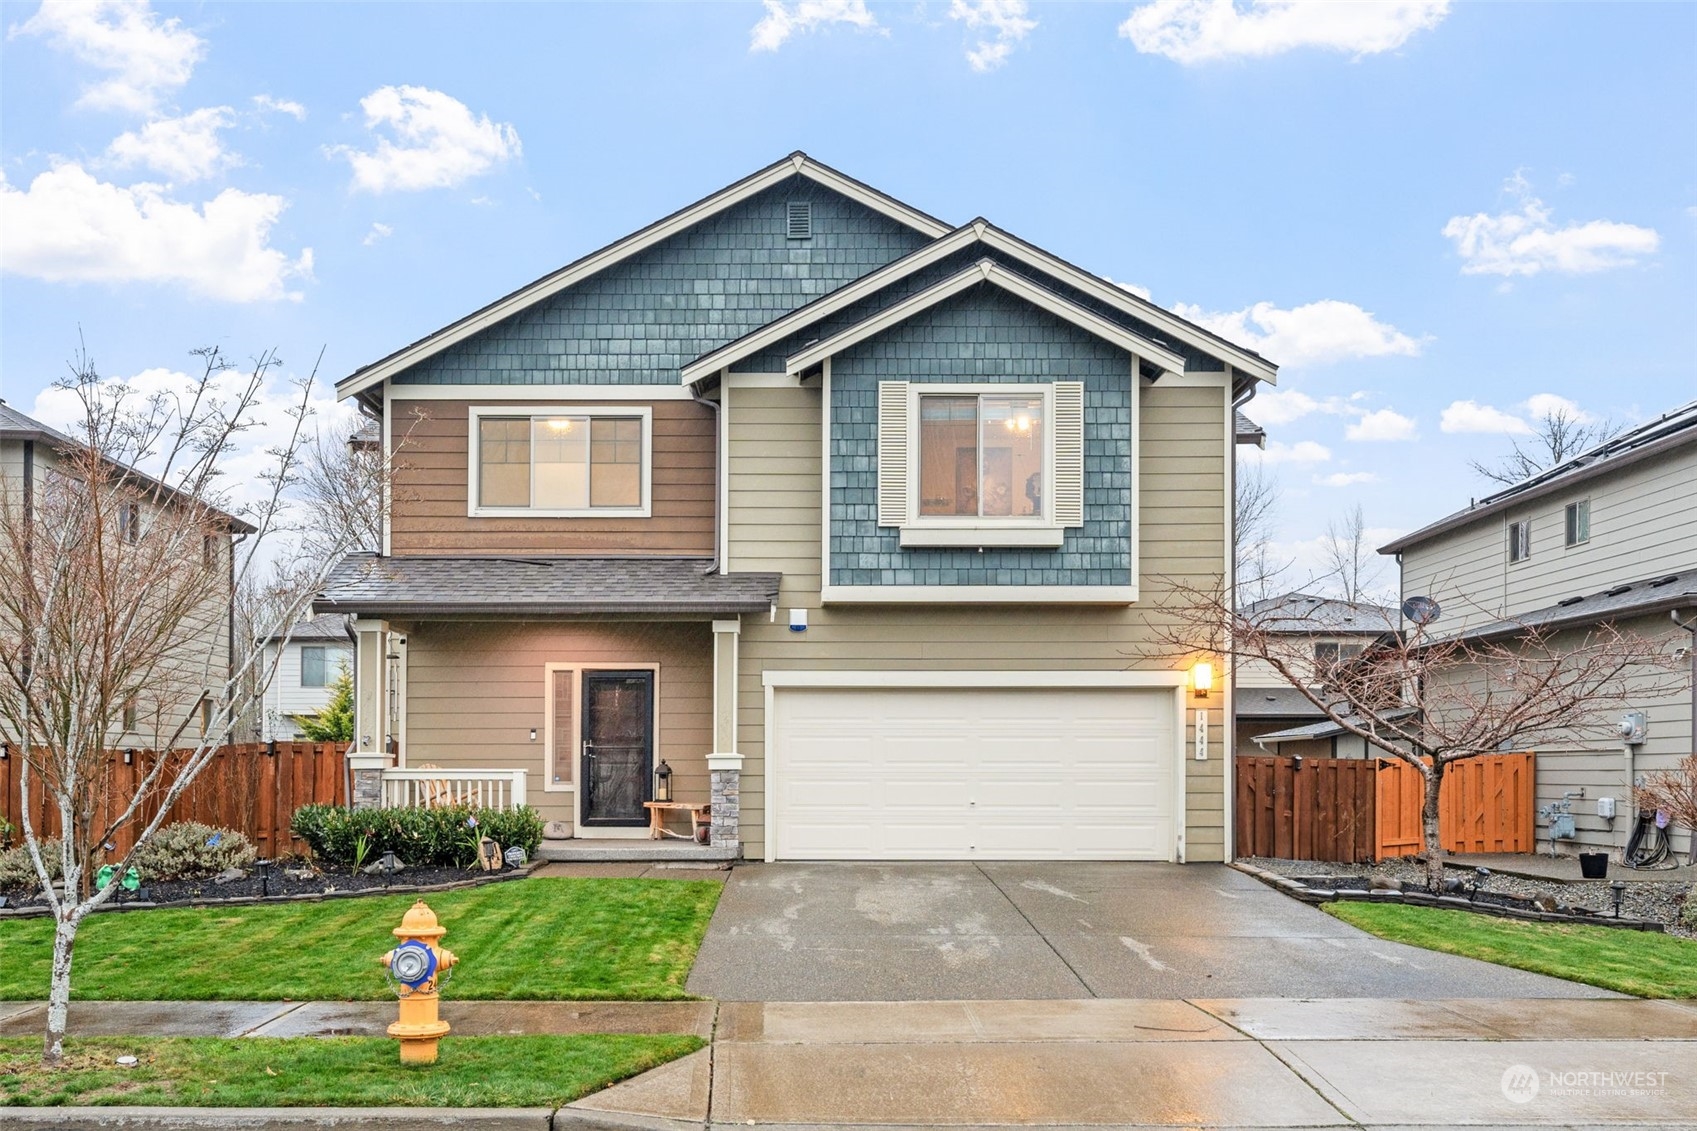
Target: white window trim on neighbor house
(474, 459)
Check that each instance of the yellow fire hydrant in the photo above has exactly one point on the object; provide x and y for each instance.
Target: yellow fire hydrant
(416, 967)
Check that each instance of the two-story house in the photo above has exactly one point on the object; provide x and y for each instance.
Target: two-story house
(181, 697)
(1609, 536)
(1275, 717)
(857, 520)
(307, 661)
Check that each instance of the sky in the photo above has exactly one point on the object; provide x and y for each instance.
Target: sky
(1440, 219)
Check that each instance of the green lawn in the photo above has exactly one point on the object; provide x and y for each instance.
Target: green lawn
(1640, 963)
(329, 1071)
(538, 939)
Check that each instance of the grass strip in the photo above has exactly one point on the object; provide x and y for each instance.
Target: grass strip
(1641, 963)
(328, 1071)
(538, 939)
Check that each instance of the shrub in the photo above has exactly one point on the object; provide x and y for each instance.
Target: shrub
(335, 723)
(17, 873)
(427, 838)
(189, 850)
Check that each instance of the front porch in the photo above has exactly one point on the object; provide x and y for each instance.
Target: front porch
(581, 687)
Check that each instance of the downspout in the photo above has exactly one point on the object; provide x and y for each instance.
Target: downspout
(29, 500)
(1690, 627)
(718, 519)
(230, 643)
(1228, 817)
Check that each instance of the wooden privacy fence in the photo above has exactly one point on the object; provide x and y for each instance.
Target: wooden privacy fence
(252, 787)
(1356, 810)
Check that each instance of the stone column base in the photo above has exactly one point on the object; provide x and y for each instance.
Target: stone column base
(367, 773)
(725, 774)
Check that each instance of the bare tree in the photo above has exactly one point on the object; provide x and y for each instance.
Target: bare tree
(1431, 700)
(1255, 514)
(341, 477)
(110, 581)
(1556, 435)
(1353, 567)
(1674, 792)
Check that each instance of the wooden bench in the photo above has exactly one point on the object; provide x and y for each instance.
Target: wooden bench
(699, 816)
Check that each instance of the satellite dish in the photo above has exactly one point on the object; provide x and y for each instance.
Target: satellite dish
(1421, 610)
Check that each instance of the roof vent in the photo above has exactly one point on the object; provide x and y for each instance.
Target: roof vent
(1570, 601)
(1668, 580)
(800, 219)
(1618, 590)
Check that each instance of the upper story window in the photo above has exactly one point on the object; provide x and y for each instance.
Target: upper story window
(314, 666)
(551, 462)
(129, 522)
(982, 456)
(981, 465)
(1520, 540)
(1578, 522)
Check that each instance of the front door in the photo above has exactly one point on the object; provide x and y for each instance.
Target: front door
(618, 747)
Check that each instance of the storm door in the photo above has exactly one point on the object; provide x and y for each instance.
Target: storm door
(618, 747)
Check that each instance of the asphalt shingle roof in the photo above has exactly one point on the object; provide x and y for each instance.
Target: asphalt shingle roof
(441, 586)
(324, 626)
(1273, 703)
(1306, 613)
(1634, 598)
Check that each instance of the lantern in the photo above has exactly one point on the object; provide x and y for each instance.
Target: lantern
(662, 782)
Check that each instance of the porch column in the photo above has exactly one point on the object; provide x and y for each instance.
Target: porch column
(724, 764)
(369, 754)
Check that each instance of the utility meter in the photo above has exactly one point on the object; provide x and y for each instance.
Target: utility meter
(1634, 728)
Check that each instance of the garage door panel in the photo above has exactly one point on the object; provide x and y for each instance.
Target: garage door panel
(973, 774)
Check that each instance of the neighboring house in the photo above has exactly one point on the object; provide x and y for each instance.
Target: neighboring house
(1609, 536)
(858, 520)
(197, 671)
(1274, 717)
(313, 657)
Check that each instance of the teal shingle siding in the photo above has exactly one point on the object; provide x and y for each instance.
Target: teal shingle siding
(986, 335)
(639, 321)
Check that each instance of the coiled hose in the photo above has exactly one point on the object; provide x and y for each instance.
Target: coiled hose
(1648, 845)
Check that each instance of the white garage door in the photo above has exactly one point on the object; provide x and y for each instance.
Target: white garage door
(986, 774)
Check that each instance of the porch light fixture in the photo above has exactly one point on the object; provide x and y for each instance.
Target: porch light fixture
(129, 755)
(1202, 678)
(662, 782)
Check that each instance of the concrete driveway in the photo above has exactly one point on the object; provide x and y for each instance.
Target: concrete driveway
(1024, 931)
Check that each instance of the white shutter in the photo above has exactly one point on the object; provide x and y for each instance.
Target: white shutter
(1069, 453)
(892, 453)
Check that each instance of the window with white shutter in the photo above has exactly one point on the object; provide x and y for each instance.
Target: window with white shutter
(892, 453)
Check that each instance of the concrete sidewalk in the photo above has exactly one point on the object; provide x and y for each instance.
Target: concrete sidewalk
(1228, 1063)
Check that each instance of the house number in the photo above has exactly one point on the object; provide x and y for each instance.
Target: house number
(1201, 734)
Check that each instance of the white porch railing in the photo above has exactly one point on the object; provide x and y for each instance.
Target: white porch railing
(432, 788)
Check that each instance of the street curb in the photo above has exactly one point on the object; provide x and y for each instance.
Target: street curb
(283, 1118)
(1426, 899)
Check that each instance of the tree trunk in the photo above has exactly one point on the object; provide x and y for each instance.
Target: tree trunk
(59, 988)
(1429, 828)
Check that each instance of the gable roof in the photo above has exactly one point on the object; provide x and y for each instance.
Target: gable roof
(796, 164)
(1308, 614)
(1672, 429)
(993, 273)
(1643, 597)
(14, 425)
(986, 233)
(1246, 431)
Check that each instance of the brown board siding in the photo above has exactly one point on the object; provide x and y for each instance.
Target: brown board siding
(475, 690)
(430, 501)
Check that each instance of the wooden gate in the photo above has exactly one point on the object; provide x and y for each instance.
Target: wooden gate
(254, 788)
(1356, 810)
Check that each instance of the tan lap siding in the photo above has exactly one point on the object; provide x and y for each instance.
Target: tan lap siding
(774, 525)
(431, 487)
(474, 690)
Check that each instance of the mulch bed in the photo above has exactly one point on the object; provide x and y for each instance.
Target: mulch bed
(326, 883)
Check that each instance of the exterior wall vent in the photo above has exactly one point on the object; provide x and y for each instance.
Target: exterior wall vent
(801, 219)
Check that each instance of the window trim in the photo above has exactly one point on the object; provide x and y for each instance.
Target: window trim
(1519, 541)
(919, 530)
(474, 459)
(324, 666)
(1570, 527)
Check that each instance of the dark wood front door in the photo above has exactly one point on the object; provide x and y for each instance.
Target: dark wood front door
(618, 747)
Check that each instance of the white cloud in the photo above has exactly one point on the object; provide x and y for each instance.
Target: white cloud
(1303, 451)
(146, 57)
(1553, 404)
(1001, 25)
(1346, 478)
(782, 21)
(1201, 31)
(1470, 416)
(185, 149)
(437, 141)
(1382, 425)
(281, 106)
(1315, 334)
(1526, 241)
(379, 231)
(1282, 406)
(69, 227)
(1137, 289)
(244, 468)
